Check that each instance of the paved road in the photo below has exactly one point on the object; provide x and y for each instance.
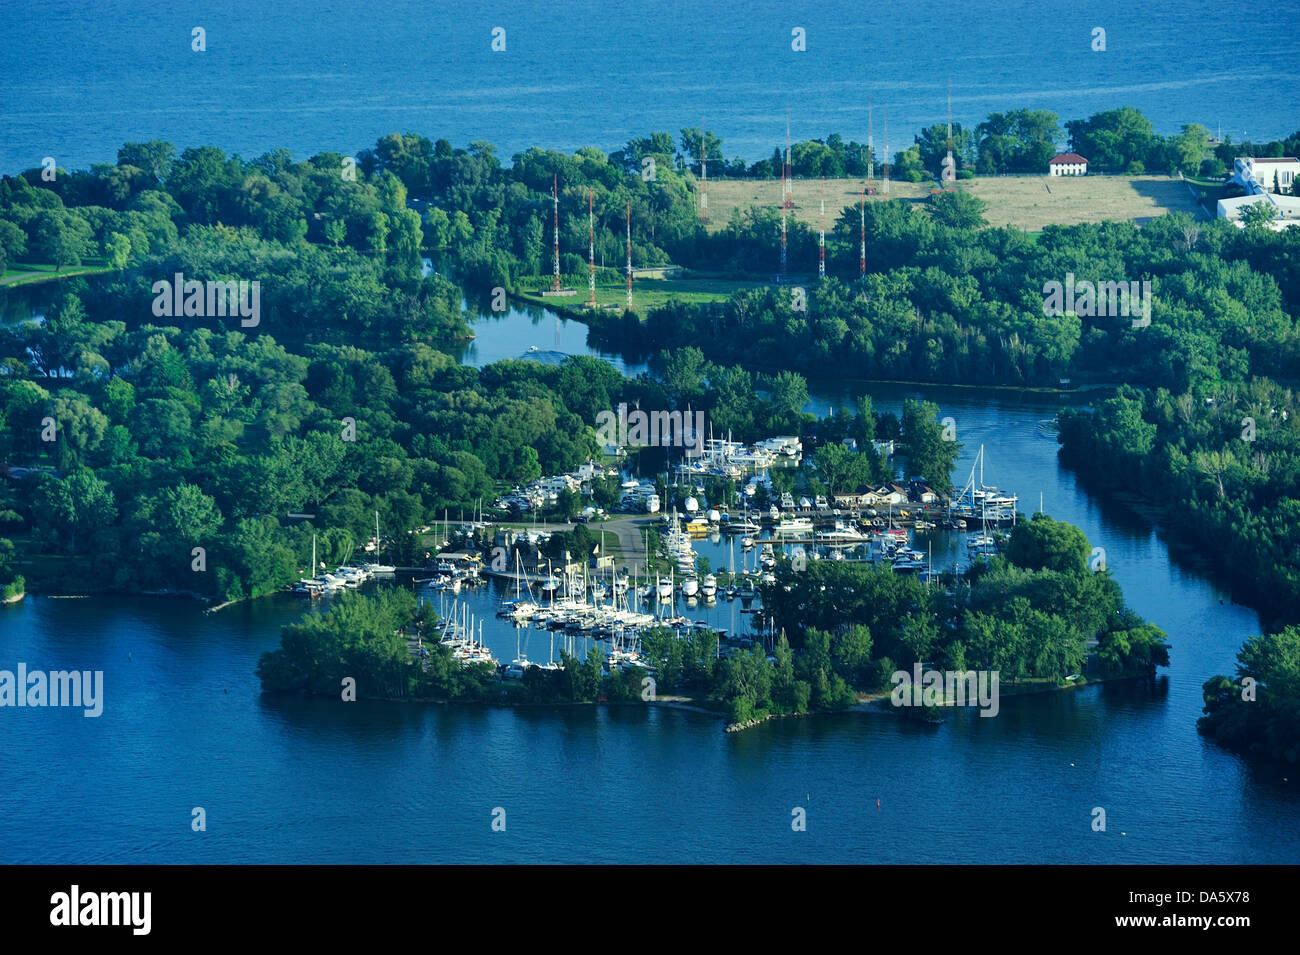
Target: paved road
(628, 528)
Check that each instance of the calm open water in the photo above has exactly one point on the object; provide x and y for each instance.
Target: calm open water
(80, 77)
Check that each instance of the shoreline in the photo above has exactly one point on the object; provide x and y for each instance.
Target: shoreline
(1242, 592)
(867, 703)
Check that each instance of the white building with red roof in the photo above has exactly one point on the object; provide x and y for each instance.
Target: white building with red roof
(1067, 164)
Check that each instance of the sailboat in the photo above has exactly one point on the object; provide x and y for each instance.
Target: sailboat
(310, 587)
(517, 666)
(377, 568)
(664, 587)
(519, 609)
(551, 584)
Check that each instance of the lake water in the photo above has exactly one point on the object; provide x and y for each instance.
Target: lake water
(296, 780)
(316, 75)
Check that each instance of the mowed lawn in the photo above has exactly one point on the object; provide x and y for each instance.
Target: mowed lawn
(23, 273)
(1027, 202)
(1033, 202)
(649, 293)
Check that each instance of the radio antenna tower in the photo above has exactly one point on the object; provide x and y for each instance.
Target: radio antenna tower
(949, 164)
(787, 180)
(871, 149)
(629, 255)
(821, 236)
(786, 191)
(862, 248)
(885, 182)
(591, 246)
(555, 196)
(704, 176)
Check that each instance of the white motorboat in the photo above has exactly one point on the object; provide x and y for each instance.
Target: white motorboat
(793, 526)
(351, 576)
(844, 533)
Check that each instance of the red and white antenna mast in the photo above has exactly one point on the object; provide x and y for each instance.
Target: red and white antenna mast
(591, 247)
(821, 237)
(555, 195)
(629, 255)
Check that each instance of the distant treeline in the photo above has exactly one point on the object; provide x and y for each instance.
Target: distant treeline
(497, 220)
(1017, 141)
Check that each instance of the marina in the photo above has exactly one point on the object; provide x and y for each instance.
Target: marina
(695, 567)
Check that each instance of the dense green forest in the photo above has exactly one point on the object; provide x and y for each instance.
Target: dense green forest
(962, 304)
(1259, 712)
(160, 440)
(153, 436)
(844, 629)
(1223, 462)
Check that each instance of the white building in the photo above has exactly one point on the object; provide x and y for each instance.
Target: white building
(1286, 209)
(1067, 164)
(1266, 172)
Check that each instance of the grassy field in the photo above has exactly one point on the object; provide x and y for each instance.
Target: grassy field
(1027, 202)
(22, 273)
(728, 194)
(647, 293)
